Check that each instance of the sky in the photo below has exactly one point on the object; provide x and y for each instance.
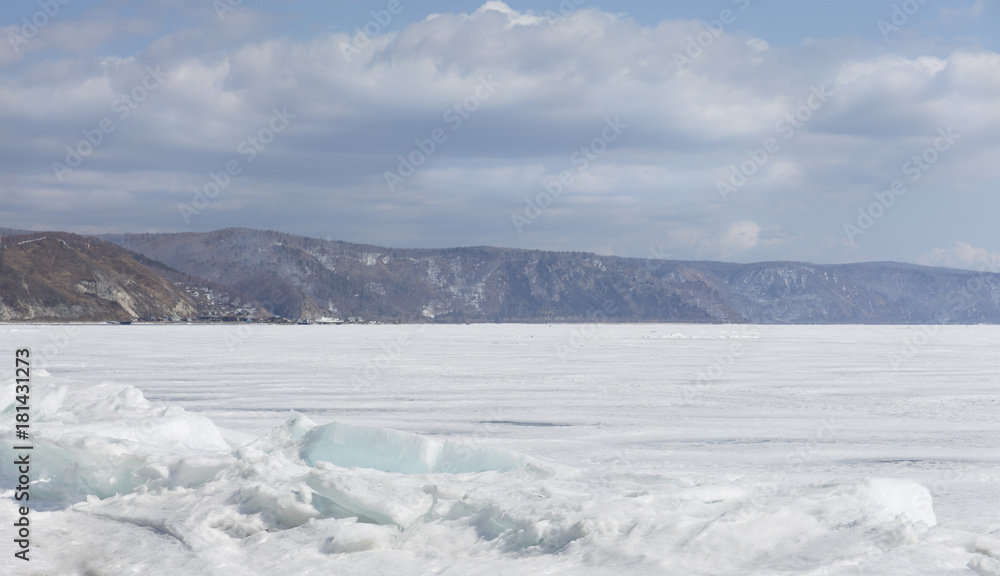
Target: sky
(734, 130)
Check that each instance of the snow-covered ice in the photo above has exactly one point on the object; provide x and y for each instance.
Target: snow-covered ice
(511, 449)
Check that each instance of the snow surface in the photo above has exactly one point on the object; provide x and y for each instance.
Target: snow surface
(513, 449)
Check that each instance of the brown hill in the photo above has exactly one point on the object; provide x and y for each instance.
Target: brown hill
(55, 276)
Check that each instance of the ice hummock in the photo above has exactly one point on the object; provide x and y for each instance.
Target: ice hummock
(352, 446)
(132, 485)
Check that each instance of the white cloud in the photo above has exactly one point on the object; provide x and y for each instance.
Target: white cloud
(559, 83)
(962, 255)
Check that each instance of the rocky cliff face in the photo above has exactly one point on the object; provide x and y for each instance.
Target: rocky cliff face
(65, 277)
(304, 277)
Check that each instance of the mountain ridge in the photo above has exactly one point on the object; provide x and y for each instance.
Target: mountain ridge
(301, 277)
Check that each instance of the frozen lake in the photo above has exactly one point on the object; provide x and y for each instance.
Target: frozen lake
(591, 449)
